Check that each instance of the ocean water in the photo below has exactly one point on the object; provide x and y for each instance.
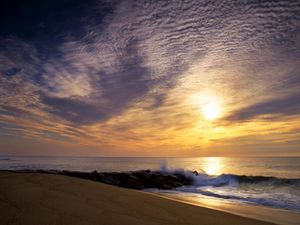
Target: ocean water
(271, 182)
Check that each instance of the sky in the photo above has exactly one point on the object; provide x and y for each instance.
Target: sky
(150, 78)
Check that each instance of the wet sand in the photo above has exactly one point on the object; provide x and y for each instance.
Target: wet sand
(42, 199)
(273, 215)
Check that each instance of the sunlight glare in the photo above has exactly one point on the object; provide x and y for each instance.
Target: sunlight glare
(213, 166)
(211, 110)
(210, 106)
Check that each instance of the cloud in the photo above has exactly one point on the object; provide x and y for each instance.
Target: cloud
(87, 63)
(285, 106)
(64, 84)
(113, 90)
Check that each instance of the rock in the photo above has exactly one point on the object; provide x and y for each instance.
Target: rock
(134, 180)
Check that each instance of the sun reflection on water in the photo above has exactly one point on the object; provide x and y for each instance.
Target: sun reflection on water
(213, 165)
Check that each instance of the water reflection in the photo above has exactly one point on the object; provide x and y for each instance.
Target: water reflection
(213, 165)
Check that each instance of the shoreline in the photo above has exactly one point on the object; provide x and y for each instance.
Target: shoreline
(166, 182)
(262, 213)
(36, 198)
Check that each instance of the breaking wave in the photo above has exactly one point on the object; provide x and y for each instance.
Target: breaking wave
(260, 190)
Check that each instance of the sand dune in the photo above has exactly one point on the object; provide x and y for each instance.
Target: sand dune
(44, 199)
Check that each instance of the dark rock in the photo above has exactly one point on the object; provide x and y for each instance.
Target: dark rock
(135, 180)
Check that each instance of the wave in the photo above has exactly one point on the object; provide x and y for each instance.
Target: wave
(233, 179)
(262, 190)
(277, 200)
(264, 179)
(203, 179)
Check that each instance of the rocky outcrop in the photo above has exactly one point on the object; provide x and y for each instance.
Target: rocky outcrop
(136, 179)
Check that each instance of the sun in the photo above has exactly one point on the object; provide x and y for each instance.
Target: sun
(210, 106)
(211, 110)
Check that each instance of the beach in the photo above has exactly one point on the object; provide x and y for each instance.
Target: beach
(153, 112)
(34, 198)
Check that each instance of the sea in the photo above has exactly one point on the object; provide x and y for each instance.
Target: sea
(269, 182)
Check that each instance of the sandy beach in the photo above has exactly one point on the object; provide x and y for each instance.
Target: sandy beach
(43, 199)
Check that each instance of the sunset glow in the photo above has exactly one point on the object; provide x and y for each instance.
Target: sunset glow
(195, 101)
(134, 79)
